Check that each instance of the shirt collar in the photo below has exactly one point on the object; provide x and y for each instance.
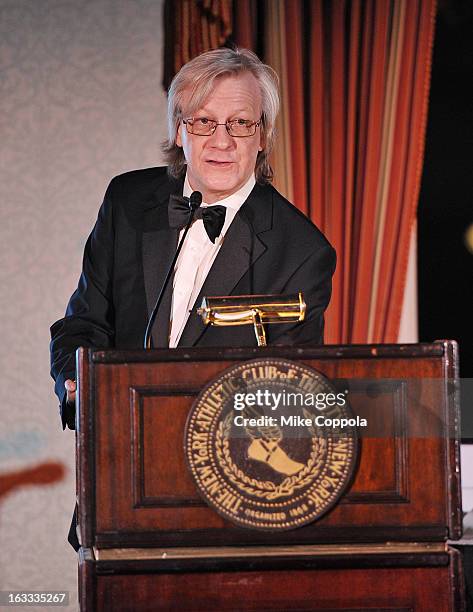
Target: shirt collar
(234, 201)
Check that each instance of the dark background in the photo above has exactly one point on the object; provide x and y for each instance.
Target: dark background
(445, 265)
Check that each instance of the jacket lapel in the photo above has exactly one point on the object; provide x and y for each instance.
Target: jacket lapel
(241, 248)
(159, 244)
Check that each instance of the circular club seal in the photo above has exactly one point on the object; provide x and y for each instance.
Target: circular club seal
(271, 444)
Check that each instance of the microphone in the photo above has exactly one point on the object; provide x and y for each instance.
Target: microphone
(195, 201)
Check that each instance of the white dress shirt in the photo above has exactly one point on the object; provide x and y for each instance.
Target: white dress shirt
(196, 258)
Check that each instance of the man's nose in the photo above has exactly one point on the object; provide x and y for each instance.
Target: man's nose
(221, 138)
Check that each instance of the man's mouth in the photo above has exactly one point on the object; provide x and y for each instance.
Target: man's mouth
(219, 163)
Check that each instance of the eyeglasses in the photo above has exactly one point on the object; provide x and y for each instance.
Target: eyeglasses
(238, 128)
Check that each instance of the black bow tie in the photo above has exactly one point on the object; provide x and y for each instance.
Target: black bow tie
(212, 216)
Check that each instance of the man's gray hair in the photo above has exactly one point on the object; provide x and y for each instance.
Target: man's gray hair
(198, 77)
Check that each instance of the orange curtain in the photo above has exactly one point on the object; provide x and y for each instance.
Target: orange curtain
(356, 81)
(245, 24)
(192, 27)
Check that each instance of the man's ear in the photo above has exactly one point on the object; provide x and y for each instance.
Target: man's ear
(178, 136)
(261, 141)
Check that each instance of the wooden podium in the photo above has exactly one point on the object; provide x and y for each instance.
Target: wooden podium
(149, 541)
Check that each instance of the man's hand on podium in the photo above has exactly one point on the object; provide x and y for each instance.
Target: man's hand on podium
(71, 387)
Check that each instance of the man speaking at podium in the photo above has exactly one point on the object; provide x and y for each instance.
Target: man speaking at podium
(246, 239)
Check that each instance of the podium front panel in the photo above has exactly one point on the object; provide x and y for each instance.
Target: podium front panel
(135, 489)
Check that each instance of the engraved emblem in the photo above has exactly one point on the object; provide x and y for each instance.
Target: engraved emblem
(271, 444)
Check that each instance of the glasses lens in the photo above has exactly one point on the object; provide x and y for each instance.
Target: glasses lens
(240, 127)
(201, 126)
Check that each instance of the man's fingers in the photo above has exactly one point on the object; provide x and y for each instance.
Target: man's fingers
(70, 389)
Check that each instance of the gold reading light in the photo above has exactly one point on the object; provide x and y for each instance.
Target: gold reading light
(253, 309)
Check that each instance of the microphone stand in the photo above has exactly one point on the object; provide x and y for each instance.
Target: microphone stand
(195, 201)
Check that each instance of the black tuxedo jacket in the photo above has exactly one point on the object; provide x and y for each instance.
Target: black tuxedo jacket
(270, 247)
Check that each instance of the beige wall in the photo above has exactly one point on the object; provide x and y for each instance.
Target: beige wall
(81, 101)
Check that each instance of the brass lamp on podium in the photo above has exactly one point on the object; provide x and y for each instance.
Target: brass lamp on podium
(253, 309)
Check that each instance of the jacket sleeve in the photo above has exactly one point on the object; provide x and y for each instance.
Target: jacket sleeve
(314, 278)
(89, 319)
